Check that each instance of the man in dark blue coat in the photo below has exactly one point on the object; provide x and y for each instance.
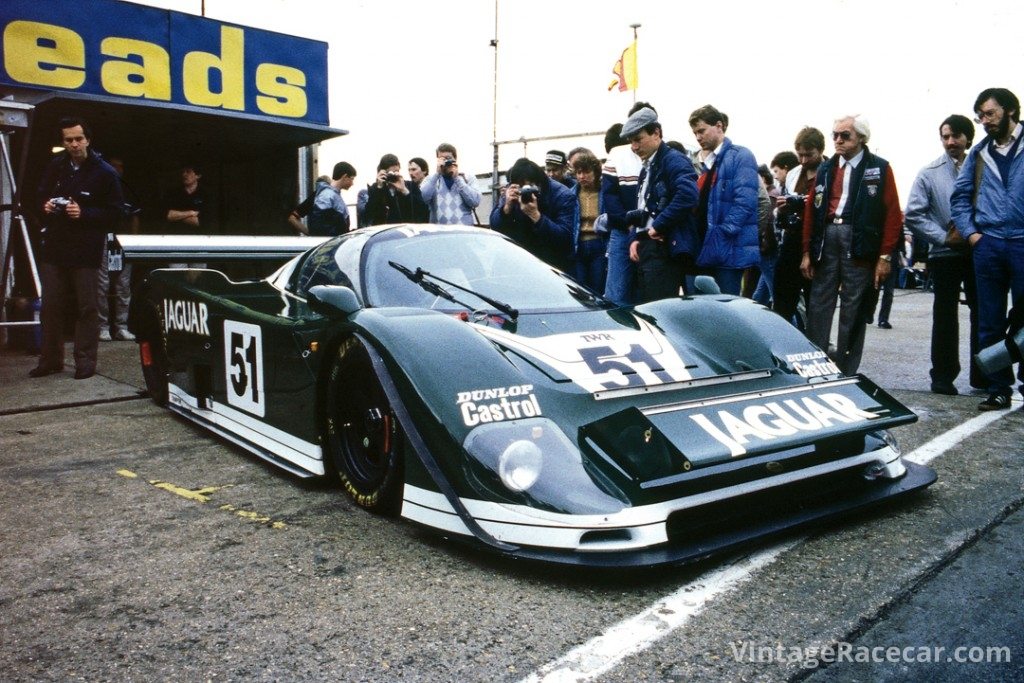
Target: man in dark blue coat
(81, 198)
(665, 239)
(538, 213)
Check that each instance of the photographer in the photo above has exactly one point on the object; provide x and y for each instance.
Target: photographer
(392, 200)
(81, 198)
(449, 194)
(538, 213)
(790, 284)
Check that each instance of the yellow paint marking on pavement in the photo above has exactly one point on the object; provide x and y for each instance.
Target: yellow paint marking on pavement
(199, 495)
(202, 495)
(254, 517)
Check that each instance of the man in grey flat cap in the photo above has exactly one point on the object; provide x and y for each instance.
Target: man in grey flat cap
(665, 239)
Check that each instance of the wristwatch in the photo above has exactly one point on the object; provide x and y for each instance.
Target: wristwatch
(886, 257)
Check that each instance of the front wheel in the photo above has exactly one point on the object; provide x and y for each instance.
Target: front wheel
(364, 442)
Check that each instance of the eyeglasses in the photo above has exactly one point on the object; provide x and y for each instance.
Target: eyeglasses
(843, 135)
(987, 115)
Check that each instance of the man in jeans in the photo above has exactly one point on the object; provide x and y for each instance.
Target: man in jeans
(988, 210)
(121, 279)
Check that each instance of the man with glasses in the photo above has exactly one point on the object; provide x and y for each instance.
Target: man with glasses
(988, 210)
(852, 223)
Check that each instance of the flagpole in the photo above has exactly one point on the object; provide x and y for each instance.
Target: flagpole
(636, 56)
(494, 115)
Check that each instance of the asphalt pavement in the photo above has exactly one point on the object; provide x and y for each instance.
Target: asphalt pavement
(136, 546)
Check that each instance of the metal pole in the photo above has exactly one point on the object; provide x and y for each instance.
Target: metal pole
(494, 115)
(636, 56)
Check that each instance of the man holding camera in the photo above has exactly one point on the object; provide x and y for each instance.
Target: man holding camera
(665, 236)
(449, 195)
(81, 198)
(790, 283)
(538, 213)
(392, 200)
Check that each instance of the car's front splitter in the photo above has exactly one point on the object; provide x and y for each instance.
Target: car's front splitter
(711, 540)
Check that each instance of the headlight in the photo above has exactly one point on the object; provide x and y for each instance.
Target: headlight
(531, 461)
(889, 469)
(519, 465)
(890, 441)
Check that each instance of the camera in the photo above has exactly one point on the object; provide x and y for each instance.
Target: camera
(449, 162)
(60, 204)
(795, 201)
(528, 193)
(393, 177)
(791, 214)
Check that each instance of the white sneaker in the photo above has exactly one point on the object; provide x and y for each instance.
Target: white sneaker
(105, 335)
(124, 335)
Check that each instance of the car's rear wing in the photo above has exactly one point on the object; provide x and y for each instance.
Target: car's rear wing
(214, 247)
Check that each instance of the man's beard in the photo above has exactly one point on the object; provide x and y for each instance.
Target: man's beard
(1003, 130)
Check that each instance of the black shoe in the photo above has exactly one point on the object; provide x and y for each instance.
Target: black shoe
(944, 388)
(42, 371)
(885, 325)
(995, 402)
(84, 373)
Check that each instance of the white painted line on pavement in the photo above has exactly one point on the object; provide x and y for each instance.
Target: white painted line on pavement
(636, 634)
(925, 453)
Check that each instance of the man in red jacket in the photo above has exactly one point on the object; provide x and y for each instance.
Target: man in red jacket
(852, 222)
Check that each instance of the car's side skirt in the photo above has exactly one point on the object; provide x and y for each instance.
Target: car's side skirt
(279, 447)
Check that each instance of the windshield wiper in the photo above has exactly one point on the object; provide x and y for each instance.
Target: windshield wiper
(418, 275)
(585, 297)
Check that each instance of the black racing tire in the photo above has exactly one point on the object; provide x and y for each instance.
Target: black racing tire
(365, 444)
(153, 357)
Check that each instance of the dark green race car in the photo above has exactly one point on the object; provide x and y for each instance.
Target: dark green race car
(446, 375)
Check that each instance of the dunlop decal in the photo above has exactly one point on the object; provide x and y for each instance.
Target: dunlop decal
(498, 404)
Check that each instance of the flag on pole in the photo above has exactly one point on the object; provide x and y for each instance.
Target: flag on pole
(625, 70)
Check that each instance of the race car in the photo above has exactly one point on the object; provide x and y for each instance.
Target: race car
(446, 375)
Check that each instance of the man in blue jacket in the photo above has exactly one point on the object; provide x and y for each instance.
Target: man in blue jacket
(727, 209)
(988, 210)
(538, 213)
(665, 240)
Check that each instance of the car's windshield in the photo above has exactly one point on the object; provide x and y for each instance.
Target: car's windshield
(335, 262)
(480, 261)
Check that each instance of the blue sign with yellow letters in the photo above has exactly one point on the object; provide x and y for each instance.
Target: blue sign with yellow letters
(111, 48)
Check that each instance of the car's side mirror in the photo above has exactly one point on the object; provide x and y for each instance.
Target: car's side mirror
(333, 300)
(705, 284)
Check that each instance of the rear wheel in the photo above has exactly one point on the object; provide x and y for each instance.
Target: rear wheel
(153, 356)
(364, 442)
